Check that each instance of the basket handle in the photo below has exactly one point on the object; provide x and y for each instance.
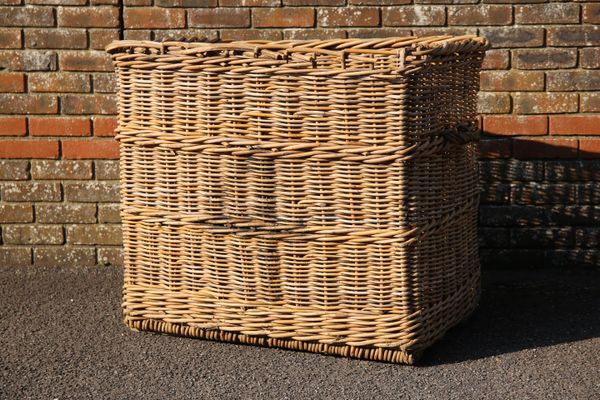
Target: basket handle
(462, 133)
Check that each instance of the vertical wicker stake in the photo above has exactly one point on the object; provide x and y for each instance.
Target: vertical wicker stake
(401, 55)
(310, 195)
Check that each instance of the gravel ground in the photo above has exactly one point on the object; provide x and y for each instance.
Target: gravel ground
(536, 335)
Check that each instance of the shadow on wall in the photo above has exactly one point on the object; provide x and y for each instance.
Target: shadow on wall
(540, 208)
(540, 203)
(524, 310)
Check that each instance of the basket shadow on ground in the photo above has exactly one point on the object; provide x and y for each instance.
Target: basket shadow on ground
(539, 292)
(524, 310)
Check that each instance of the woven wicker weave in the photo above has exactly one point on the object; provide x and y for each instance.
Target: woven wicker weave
(311, 195)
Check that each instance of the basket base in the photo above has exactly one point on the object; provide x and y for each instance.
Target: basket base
(456, 310)
(364, 353)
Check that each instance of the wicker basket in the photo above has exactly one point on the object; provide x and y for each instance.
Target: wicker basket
(310, 195)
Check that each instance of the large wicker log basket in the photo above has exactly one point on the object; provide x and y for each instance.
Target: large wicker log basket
(312, 195)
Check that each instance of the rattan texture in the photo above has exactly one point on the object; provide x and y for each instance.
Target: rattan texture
(310, 195)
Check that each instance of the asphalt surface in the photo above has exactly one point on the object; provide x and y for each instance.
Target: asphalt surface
(536, 335)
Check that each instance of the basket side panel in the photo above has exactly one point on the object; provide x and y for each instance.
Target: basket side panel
(442, 195)
(336, 293)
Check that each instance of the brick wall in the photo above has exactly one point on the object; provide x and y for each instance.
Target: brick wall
(540, 157)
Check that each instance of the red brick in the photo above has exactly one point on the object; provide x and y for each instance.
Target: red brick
(573, 35)
(33, 234)
(110, 256)
(311, 34)
(92, 192)
(85, 61)
(309, 2)
(442, 31)
(591, 13)
(333, 17)
(572, 171)
(59, 126)
(106, 234)
(13, 126)
(573, 80)
(589, 102)
(26, 16)
(542, 237)
(496, 59)
(588, 193)
(88, 17)
(31, 191)
(219, 18)
(367, 33)
(546, 58)
(187, 3)
(589, 148)
(90, 149)
(292, 17)
(542, 193)
(59, 82)
(106, 169)
(89, 104)
(154, 18)
(28, 60)
(544, 148)
(15, 256)
(512, 125)
(562, 13)
(498, 148)
(413, 16)
(10, 38)
(60, 169)
(480, 15)
(545, 103)
(456, 1)
(62, 213)
(590, 57)
(250, 3)
(189, 33)
(58, 2)
(55, 38)
(495, 193)
(588, 237)
(100, 38)
(14, 170)
(514, 36)
(109, 213)
(575, 125)
(29, 149)
(378, 2)
(140, 34)
(493, 103)
(28, 103)
(501, 81)
(56, 256)
(105, 126)
(11, 213)
(12, 82)
(137, 3)
(251, 34)
(105, 83)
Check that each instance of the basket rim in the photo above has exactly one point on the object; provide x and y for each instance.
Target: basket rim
(423, 45)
